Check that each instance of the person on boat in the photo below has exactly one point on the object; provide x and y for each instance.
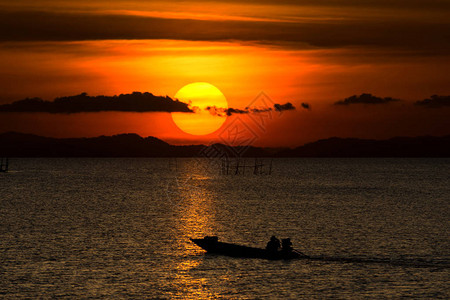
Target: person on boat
(286, 246)
(212, 239)
(273, 245)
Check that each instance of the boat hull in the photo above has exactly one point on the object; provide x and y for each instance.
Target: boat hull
(233, 250)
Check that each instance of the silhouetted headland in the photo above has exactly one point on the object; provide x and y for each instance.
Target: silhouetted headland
(14, 144)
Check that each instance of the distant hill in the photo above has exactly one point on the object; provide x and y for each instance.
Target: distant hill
(28, 145)
(14, 144)
(426, 146)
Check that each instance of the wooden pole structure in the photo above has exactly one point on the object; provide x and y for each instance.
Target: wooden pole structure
(4, 164)
(222, 166)
(240, 165)
(270, 169)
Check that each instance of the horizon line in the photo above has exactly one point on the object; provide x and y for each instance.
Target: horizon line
(218, 143)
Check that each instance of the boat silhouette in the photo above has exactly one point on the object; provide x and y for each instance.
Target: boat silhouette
(212, 245)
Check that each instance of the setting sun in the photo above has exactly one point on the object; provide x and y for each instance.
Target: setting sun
(200, 95)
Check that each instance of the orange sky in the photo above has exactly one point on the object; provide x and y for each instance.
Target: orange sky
(294, 51)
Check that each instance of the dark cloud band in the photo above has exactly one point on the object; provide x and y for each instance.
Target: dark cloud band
(365, 99)
(222, 112)
(135, 102)
(286, 106)
(401, 4)
(420, 36)
(435, 101)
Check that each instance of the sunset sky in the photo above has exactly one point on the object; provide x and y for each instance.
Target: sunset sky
(313, 54)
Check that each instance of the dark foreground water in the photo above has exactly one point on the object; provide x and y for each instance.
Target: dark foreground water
(119, 228)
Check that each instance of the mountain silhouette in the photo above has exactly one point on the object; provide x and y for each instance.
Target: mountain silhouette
(14, 144)
(426, 146)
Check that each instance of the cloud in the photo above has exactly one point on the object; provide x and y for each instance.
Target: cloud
(435, 101)
(259, 110)
(231, 111)
(423, 37)
(222, 112)
(135, 102)
(402, 4)
(286, 106)
(365, 99)
(306, 105)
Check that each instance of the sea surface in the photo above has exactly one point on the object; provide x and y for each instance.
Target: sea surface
(120, 228)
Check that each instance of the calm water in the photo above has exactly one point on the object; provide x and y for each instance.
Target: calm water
(119, 228)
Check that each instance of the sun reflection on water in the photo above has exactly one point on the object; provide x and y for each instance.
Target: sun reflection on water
(196, 219)
(190, 287)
